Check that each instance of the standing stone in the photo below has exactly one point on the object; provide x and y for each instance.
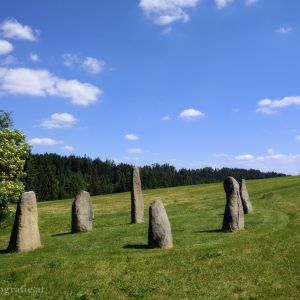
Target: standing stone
(245, 197)
(137, 204)
(234, 214)
(82, 213)
(25, 235)
(159, 233)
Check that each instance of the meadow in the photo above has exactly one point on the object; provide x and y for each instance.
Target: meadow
(113, 261)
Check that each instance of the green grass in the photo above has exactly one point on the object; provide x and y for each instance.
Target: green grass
(260, 262)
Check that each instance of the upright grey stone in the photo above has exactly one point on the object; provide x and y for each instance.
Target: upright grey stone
(137, 204)
(159, 233)
(82, 213)
(245, 197)
(234, 214)
(25, 235)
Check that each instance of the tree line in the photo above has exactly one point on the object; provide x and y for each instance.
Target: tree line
(53, 177)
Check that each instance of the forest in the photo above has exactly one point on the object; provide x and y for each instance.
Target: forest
(53, 177)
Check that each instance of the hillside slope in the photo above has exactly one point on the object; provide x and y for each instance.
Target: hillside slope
(112, 262)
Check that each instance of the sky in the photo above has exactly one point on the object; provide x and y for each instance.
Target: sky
(192, 83)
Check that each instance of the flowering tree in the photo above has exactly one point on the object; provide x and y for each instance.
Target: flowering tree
(13, 154)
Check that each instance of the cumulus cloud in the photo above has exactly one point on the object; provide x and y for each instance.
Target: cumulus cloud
(244, 157)
(59, 120)
(131, 137)
(24, 81)
(70, 60)
(5, 47)
(89, 64)
(284, 163)
(221, 155)
(34, 57)
(166, 31)
(134, 150)
(12, 29)
(284, 29)
(250, 2)
(271, 151)
(269, 106)
(273, 156)
(222, 3)
(67, 148)
(166, 118)
(44, 142)
(92, 65)
(191, 114)
(9, 60)
(164, 12)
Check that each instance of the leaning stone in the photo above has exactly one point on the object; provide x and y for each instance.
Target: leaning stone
(82, 213)
(247, 206)
(137, 204)
(234, 214)
(25, 235)
(159, 233)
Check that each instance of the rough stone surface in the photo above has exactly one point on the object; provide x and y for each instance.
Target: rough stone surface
(137, 204)
(234, 214)
(25, 235)
(82, 213)
(159, 233)
(247, 206)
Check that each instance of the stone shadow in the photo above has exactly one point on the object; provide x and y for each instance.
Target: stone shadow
(60, 234)
(209, 231)
(140, 246)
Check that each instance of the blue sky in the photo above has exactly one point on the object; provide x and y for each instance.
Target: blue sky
(186, 82)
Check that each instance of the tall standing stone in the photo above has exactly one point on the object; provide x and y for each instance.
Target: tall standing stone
(25, 235)
(247, 206)
(137, 204)
(159, 233)
(234, 214)
(82, 213)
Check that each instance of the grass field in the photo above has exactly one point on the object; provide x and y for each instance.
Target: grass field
(113, 262)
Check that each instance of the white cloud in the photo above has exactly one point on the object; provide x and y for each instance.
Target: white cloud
(166, 118)
(44, 142)
(244, 157)
(92, 65)
(131, 137)
(68, 148)
(221, 155)
(70, 60)
(59, 120)
(222, 3)
(271, 156)
(250, 2)
(236, 110)
(24, 81)
(5, 47)
(269, 106)
(166, 31)
(134, 150)
(191, 114)
(89, 64)
(34, 57)
(12, 29)
(164, 12)
(9, 60)
(284, 163)
(283, 29)
(271, 151)
(298, 138)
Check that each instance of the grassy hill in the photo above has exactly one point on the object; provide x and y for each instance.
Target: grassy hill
(112, 262)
